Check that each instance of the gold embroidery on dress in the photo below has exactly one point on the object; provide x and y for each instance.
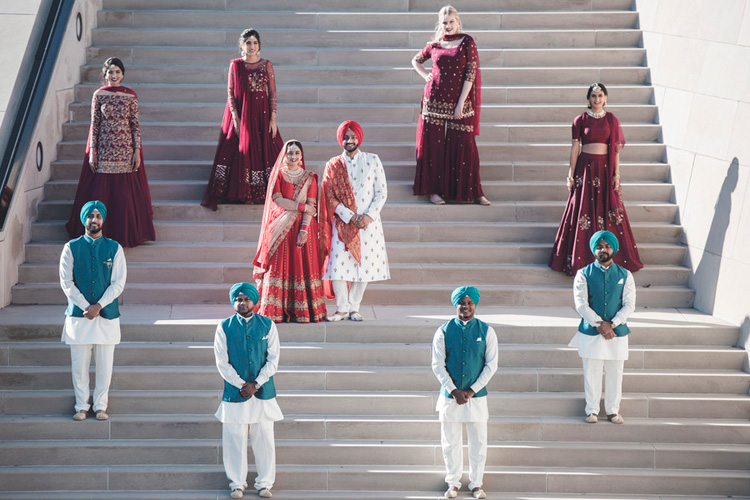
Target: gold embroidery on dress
(471, 71)
(600, 223)
(444, 109)
(461, 127)
(433, 121)
(616, 215)
(584, 222)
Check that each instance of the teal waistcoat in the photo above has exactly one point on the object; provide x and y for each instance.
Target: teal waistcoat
(247, 346)
(464, 353)
(92, 273)
(605, 295)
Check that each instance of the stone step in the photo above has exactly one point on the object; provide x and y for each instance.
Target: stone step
(514, 243)
(332, 92)
(507, 379)
(536, 429)
(373, 38)
(423, 252)
(413, 403)
(552, 171)
(358, 477)
(382, 453)
(401, 273)
(328, 360)
(380, 113)
(398, 191)
(366, 21)
(387, 132)
(380, 294)
(217, 58)
(640, 213)
(364, 6)
(321, 152)
(384, 324)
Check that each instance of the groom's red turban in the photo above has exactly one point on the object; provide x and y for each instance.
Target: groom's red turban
(350, 124)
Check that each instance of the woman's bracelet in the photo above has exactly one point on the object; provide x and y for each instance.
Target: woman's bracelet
(617, 175)
(569, 179)
(300, 207)
(303, 230)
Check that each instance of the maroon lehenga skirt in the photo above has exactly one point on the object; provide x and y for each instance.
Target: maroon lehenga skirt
(447, 159)
(593, 205)
(128, 200)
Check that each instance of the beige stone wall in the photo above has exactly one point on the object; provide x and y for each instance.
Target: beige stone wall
(16, 21)
(699, 55)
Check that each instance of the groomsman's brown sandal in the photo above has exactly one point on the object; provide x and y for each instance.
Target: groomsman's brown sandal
(616, 418)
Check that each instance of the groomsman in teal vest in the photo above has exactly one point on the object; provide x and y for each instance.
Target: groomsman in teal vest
(246, 346)
(92, 275)
(604, 295)
(464, 359)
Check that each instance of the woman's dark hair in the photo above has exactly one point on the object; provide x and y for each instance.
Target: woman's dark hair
(295, 143)
(109, 62)
(591, 89)
(247, 34)
(601, 86)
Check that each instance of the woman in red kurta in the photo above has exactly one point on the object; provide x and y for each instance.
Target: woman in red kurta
(447, 156)
(249, 140)
(113, 170)
(287, 264)
(595, 202)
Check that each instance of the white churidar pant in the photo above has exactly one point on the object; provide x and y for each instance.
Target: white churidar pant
(348, 300)
(451, 440)
(592, 382)
(80, 357)
(234, 444)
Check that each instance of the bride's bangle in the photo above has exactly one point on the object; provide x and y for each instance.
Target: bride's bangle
(300, 207)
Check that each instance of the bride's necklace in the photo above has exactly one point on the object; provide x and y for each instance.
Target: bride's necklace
(293, 174)
(596, 115)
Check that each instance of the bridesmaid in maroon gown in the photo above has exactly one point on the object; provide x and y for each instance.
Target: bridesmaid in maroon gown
(447, 156)
(595, 202)
(113, 170)
(250, 141)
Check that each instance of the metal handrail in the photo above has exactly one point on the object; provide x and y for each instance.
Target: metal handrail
(28, 94)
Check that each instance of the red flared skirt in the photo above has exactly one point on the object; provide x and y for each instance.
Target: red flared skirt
(593, 205)
(291, 289)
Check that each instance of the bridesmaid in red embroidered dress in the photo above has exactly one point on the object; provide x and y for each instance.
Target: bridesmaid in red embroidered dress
(595, 202)
(447, 156)
(287, 264)
(249, 140)
(113, 171)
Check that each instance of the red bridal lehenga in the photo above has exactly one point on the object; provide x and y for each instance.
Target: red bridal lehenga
(288, 276)
(593, 204)
(242, 164)
(114, 133)
(447, 156)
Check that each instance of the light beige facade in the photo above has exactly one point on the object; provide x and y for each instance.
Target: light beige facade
(699, 53)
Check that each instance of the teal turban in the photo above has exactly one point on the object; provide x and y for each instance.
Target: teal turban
(246, 288)
(90, 207)
(459, 293)
(610, 238)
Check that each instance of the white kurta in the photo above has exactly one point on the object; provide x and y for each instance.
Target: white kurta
(475, 410)
(367, 178)
(596, 346)
(98, 330)
(254, 409)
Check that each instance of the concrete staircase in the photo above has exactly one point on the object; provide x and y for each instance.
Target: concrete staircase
(359, 399)
(536, 66)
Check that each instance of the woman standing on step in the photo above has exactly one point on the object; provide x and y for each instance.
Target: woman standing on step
(287, 264)
(447, 156)
(249, 140)
(113, 170)
(595, 202)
